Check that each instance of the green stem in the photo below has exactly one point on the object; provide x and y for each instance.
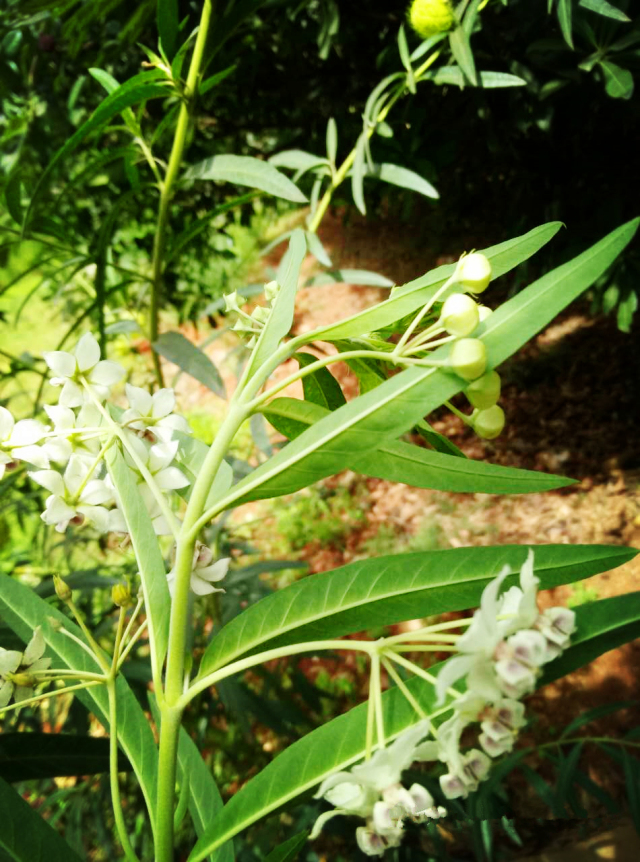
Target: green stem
(418, 671)
(167, 767)
(55, 693)
(95, 646)
(395, 676)
(167, 187)
(346, 166)
(376, 685)
(113, 771)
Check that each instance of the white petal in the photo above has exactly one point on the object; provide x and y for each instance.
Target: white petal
(452, 671)
(87, 352)
(202, 588)
(171, 479)
(62, 417)
(162, 454)
(26, 432)
(35, 455)
(89, 416)
(6, 423)
(139, 399)
(58, 450)
(163, 403)
(482, 681)
(62, 364)
(57, 512)
(75, 474)
(72, 395)
(97, 516)
(216, 572)
(50, 480)
(117, 523)
(10, 660)
(174, 423)
(95, 493)
(106, 373)
(35, 648)
(6, 690)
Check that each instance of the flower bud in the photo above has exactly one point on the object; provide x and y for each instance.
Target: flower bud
(62, 588)
(459, 315)
(121, 595)
(485, 391)
(260, 314)
(473, 272)
(489, 423)
(23, 680)
(484, 312)
(429, 17)
(231, 302)
(271, 290)
(468, 358)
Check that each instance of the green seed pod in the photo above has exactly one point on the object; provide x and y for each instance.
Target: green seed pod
(468, 358)
(429, 17)
(488, 424)
(474, 272)
(459, 315)
(485, 391)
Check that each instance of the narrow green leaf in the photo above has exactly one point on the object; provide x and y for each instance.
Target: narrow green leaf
(394, 407)
(246, 171)
(25, 836)
(296, 160)
(543, 790)
(288, 851)
(403, 178)
(438, 441)
(27, 756)
(618, 81)
(412, 465)
(413, 295)
(317, 249)
(463, 55)
(602, 626)
(332, 141)
(137, 89)
(565, 19)
(387, 590)
(168, 24)
(23, 610)
(590, 715)
(213, 80)
(488, 80)
(357, 174)
(190, 359)
(281, 318)
(153, 573)
(13, 197)
(349, 276)
(321, 387)
(602, 7)
(301, 767)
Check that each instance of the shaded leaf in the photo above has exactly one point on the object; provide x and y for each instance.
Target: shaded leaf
(246, 171)
(190, 359)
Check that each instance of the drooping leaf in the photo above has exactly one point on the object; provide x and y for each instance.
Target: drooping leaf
(403, 178)
(246, 171)
(350, 276)
(190, 359)
(619, 82)
(397, 461)
(320, 387)
(604, 8)
(453, 75)
(357, 174)
(296, 160)
(463, 55)
(387, 590)
(565, 19)
(25, 836)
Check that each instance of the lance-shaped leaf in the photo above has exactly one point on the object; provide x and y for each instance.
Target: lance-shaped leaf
(190, 359)
(396, 175)
(25, 836)
(398, 461)
(320, 387)
(413, 295)
(23, 610)
(281, 317)
(394, 407)
(246, 171)
(386, 590)
(302, 766)
(153, 573)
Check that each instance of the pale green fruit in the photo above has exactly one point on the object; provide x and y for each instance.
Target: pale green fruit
(485, 391)
(429, 17)
(488, 424)
(459, 315)
(468, 358)
(474, 272)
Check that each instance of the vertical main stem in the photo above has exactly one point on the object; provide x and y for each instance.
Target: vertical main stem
(167, 769)
(166, 190)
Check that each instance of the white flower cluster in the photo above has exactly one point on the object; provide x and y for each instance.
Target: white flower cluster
(372, 791)
(83, 428)
(502, 653)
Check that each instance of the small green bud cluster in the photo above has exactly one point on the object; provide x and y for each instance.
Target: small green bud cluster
(252, 324)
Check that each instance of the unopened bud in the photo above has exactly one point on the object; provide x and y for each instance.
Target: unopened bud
(260, 314)
(429, 17)
(459, 315)
(484, 312)
(468, 358)
(474, 272)
(231, 302)
(488, 424)
(23, 680)
(485, 391)
(121, 595)
(62, 588)
(271, 290)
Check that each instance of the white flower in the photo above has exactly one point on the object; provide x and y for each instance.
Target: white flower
(153, 411)
(74, 497)
(17, 669)
(373, 844)
(18, 439)
(84, 362)
(71, 438)
(500, 725)
(474, 769)
(557, 625)
(518, 661)
(203, 576)
(157, 459)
